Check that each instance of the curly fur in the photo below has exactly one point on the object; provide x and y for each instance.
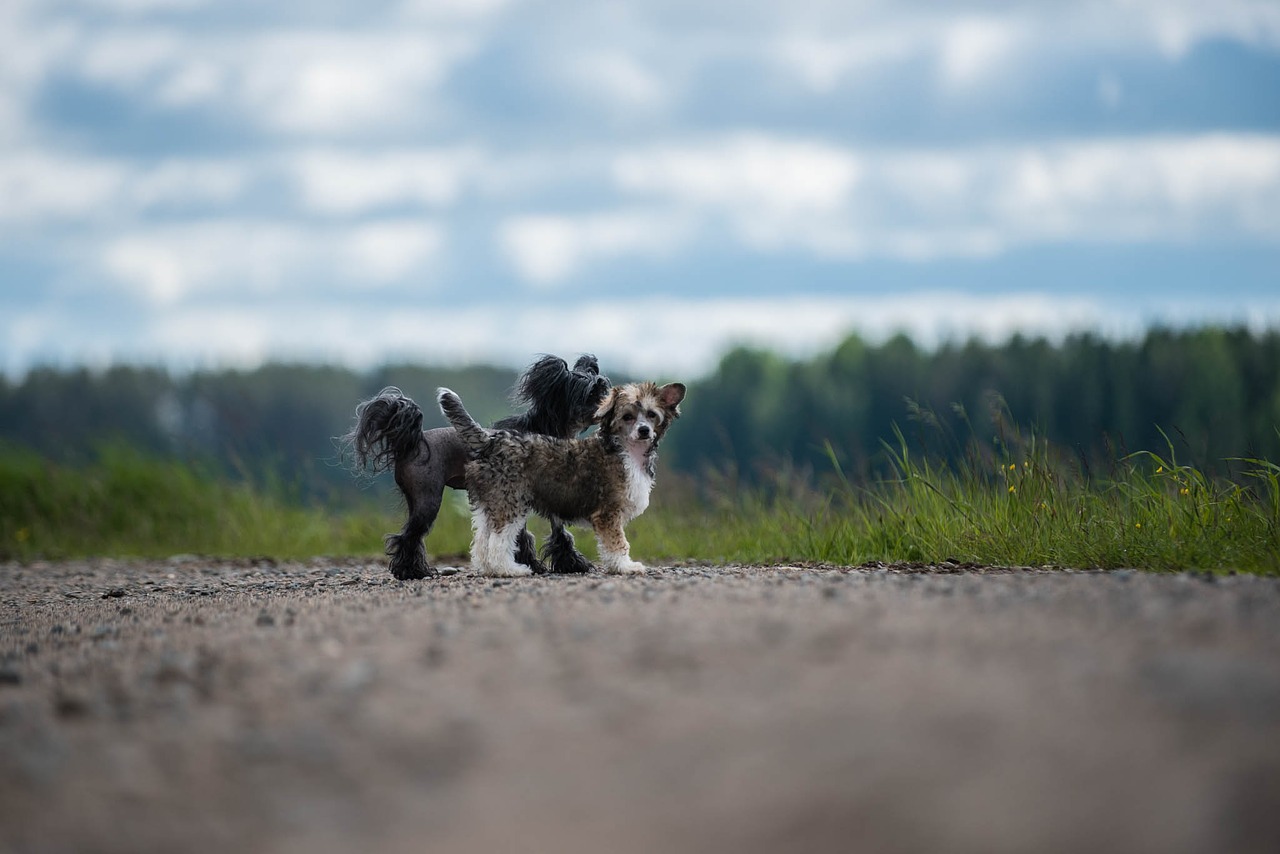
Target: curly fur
(603, 480)
(388, 435)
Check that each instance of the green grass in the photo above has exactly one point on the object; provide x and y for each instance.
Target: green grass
(1015, 504)
(126, 504)
(1024, 509)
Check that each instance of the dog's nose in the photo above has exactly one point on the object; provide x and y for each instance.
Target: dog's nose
(643, 431)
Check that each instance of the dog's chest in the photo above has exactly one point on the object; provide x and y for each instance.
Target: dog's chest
(638, 483)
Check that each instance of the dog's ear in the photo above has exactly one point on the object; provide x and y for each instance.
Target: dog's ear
(540, 379)
(669, 397)
(606, 406)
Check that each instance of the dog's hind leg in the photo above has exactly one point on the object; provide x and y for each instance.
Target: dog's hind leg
(493, 546)
(527, 552)
(560, 553)
(407, 552)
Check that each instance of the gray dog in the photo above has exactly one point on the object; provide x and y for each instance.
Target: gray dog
(388, 434)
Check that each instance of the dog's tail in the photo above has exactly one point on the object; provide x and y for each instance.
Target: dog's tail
(388, 429)
(472, 433)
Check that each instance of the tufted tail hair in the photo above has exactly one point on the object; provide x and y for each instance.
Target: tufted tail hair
(473, 435)
(388, 428)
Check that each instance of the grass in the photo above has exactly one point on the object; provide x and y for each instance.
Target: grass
(1012, 503)
(129, 505)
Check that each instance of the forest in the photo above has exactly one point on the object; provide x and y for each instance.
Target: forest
(1206, 396)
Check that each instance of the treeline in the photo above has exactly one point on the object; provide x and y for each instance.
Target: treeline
(1215, 393)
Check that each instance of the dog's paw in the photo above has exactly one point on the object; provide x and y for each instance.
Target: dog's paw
(412, 573)
(625, 567)
(572, 563)
(512, 570)
(411, 570)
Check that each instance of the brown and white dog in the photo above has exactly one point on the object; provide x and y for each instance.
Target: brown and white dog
(603, 480)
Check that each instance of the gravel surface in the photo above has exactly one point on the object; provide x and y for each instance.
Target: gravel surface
(192, 705)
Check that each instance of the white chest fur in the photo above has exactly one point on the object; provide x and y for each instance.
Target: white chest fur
(639, 484)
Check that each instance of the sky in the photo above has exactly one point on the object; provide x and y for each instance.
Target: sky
(219, 183)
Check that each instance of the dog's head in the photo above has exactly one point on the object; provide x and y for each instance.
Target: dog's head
(562, 401)
(640, 413)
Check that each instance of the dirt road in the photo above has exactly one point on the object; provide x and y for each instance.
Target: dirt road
(324, 707)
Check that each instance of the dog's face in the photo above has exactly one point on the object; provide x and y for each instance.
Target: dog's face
(640, 413)
(563, 401)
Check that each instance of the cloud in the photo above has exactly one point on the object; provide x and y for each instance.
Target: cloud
(743, 172)
(36, 186)
(291, 81)
(546, 249)
(350, 182)
(52, 189)
(340, 82)
(980, 201)
(651, 337)
(172, 264)
(619, 81)
(973, 47)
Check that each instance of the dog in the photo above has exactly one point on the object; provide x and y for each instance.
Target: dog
(388, 434)
(604, 479)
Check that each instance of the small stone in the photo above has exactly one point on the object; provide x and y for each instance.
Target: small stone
(10, 676)
(114, 593)
(449, 570)
(265, 619)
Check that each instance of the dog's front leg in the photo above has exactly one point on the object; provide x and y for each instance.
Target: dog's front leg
(615, 551)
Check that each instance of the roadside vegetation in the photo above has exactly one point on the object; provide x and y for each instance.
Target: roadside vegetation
(1011, 502)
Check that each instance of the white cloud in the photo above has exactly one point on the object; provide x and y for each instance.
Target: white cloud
(619, 80)
(744, 173)
(667, 338)
(387, 252)
(57, 189)
(976, 202)
(973, 47)
(289, 81)
(546, 249)
(1179, 25)
(438, 11)
(824, 61)
(345, 182)
(36, 186)
(337, 82)
(171, 264)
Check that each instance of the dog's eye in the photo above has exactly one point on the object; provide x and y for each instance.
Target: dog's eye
(651, 415)
(629, 417)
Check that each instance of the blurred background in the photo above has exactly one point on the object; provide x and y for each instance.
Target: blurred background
(223, 222)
